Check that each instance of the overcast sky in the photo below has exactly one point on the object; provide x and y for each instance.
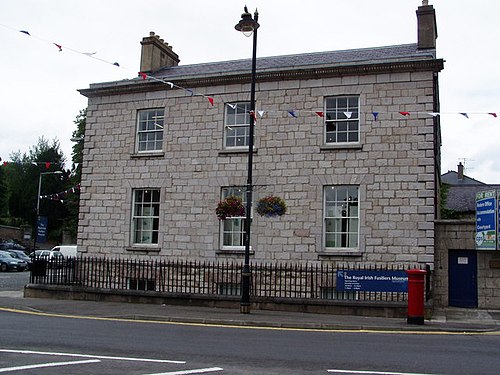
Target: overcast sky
(38, 91)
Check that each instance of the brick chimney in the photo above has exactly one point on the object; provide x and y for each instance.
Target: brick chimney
(156, 54)
(427, 26)
(460, 174)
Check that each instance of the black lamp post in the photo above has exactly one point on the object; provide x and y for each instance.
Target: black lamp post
(249, 26)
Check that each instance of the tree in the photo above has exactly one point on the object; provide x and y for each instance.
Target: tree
(3, 194)
(22, 177)
(73, 201)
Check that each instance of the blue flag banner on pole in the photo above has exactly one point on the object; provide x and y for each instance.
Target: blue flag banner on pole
(41, 229)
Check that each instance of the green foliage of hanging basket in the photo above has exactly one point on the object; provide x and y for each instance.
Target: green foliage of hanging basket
(230, 207)
(271, 206)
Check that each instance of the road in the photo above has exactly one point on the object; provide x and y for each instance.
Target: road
(128, 347)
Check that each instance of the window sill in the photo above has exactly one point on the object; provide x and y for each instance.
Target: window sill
(341, 146)
(233, 252)
(143, 249)
(340, 252)
(145, 155)
(235, 151)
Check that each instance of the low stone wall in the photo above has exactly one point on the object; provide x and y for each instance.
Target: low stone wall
(359, 308)
(453, 235)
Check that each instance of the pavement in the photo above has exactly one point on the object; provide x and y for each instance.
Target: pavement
(450, 319)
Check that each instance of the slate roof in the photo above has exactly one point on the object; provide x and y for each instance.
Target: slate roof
(451, 178)
(356, 56)
(461, 195)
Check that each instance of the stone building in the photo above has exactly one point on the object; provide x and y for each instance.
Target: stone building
(346, 138)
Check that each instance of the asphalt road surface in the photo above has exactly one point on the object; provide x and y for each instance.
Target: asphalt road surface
(31, 343)
(111, 347)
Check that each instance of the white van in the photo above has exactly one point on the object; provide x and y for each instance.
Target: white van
(69, 251)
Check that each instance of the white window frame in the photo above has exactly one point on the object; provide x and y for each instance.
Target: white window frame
(342, 122)
(150, 130)
(233, 228)
(341, 217)
(145, 217)
(237, 125)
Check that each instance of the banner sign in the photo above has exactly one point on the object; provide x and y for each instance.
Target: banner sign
(41, 229)
(486, 220)
(372, 281)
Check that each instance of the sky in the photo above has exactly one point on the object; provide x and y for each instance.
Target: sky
(39, 83)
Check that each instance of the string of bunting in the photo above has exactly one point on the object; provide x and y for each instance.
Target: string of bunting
(291, 112)
(61, 195)
(46, 164)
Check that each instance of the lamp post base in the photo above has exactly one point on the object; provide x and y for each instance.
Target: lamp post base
(245, 308)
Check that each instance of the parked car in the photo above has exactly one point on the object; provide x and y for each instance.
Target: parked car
(10, 245)
(69, 251)
(8, 263)
(18, 254)
(51, 255)
(52, 258)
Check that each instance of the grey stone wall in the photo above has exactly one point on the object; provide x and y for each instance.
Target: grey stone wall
(452, 235)
(393, 166)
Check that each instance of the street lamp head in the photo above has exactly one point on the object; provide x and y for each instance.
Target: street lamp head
(247, 24)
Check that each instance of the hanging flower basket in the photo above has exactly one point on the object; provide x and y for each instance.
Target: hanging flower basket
(230, 207)
(271, 206)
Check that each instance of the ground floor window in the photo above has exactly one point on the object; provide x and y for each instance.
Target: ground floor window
(146, 216)
(341, 217)
(233, 229)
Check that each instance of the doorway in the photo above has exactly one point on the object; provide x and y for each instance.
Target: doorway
(462, 278)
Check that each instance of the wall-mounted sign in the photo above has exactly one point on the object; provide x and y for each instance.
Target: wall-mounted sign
(372, 281)
(486, 220)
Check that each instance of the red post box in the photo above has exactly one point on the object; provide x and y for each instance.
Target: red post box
(416, 296)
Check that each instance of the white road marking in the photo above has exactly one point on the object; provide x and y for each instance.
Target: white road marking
(374, 372)
(93, 356)
(185, 372)
(53, 364)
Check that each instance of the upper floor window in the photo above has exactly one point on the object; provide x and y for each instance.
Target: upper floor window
(342, 119)
(233, 228)
(146, 216)
(150, 124)
(237, 125)
(341, 215)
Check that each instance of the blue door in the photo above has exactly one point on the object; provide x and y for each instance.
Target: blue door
(462, 278)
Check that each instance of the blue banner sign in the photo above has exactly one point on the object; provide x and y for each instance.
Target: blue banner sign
(486, 221)
(41, 229)
(372, 281)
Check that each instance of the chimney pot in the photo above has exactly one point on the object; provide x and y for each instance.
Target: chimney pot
(156, 54)
(427, 26)
(460, 171)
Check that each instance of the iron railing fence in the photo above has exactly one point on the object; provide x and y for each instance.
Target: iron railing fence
(269, 280)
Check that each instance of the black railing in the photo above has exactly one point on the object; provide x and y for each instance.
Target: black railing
(269, 280)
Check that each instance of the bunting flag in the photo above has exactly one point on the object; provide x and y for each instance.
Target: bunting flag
(211, 99)
(46, 164)
(252, 113)
(59, 196)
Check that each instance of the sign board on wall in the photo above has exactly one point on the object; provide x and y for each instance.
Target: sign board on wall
(372, 281)
(486, 220)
